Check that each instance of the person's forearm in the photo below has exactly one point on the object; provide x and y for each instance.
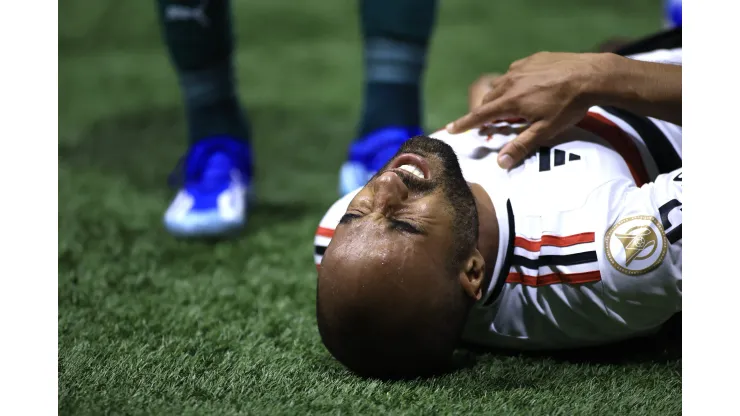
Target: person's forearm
(645, 88)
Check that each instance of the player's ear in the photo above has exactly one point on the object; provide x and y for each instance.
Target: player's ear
(472, 274)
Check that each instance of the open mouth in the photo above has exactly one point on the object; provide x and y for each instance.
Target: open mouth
(411, 163)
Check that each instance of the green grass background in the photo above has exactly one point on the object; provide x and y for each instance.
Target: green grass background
(151, 325)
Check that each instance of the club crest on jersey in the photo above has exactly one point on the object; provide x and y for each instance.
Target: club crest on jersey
(636, 245)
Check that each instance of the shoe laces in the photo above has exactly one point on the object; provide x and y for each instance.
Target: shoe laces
(191, 166)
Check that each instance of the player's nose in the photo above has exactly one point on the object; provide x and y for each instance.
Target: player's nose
(389, 190)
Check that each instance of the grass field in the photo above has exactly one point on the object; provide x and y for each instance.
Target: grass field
(151, 325)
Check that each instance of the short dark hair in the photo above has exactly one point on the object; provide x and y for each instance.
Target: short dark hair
(370, 348)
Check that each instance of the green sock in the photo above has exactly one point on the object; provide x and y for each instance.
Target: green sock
(199, 38)
(395, 41)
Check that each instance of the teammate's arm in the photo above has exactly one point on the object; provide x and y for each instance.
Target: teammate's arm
(553, 91)
(649, 89)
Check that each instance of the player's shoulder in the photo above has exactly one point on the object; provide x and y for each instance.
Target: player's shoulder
(492, 136)
(456, 141)
(639, 228)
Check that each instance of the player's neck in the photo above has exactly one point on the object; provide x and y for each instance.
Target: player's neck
(487, 226)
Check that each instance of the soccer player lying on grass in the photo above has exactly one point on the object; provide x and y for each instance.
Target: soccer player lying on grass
(577, 246)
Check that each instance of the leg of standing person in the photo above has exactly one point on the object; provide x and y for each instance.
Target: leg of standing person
(215, 173)
(396, 35)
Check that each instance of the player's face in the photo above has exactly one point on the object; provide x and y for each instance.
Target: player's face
(417, 209)
(394, 222)
(390, 268)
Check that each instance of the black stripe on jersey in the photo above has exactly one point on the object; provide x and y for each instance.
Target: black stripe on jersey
(660, 148)
(501, 278)
(667, 39)
(675, 234)
(665, 209)
(559, 157)
(552, 260)
(544, 159)
(319, 250)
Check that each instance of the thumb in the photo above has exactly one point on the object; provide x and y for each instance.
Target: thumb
(519, 148)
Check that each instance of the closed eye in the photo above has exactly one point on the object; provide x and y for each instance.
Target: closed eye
(405, 227)
(347, 218)
(395, 224)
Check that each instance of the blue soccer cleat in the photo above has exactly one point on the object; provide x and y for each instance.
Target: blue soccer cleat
(672, 13)
(370, 153)
(214, 179)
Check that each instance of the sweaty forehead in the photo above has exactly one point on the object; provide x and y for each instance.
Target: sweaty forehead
(381, 274)
(373, 242)
(362, 246)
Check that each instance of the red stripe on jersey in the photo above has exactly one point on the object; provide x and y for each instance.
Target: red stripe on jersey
(325, 232)
(553, 278)
(620, 141)
(554, 241)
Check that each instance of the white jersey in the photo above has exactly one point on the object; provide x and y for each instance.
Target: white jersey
(589, 232)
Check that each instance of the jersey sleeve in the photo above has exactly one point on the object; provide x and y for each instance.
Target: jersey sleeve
(641, 244)
(328, 224)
